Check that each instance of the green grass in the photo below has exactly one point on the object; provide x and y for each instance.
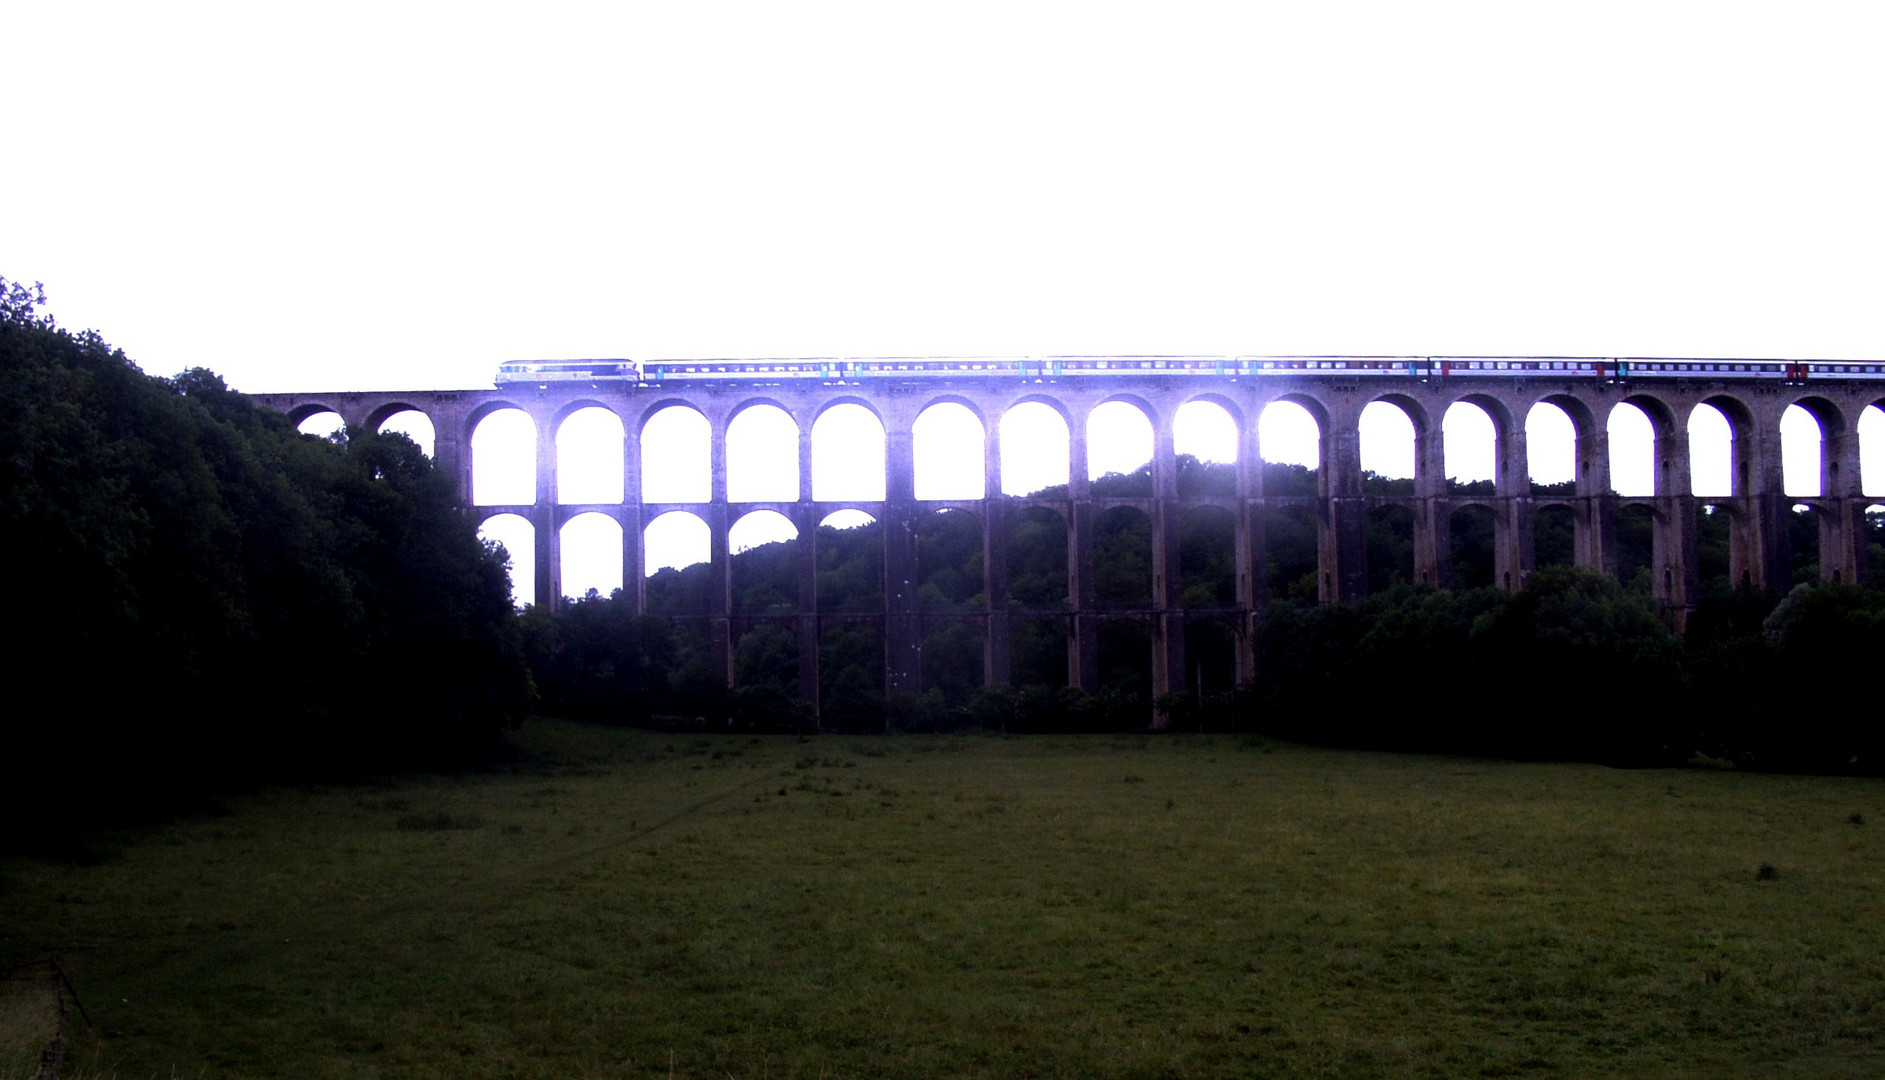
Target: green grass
(634, 904)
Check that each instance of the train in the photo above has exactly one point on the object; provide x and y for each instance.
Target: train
(1031, 368)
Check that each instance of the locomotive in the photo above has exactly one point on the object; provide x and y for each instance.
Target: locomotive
(896, 369)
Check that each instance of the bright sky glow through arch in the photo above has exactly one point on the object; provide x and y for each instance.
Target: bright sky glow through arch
(1799, 452)
(515, 535)
(848, 454)
(1469, 443)
(1119, 439)
(589, 460)
(1036, 449)
(1709, 434)
(504, 459)
(592, 555)
(1387, 440)
(1288, 435)
(1205, 431)
(414, 425)
(1550, 444)
(1632, 451)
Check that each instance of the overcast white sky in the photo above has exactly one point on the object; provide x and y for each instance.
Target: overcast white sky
(402, 196)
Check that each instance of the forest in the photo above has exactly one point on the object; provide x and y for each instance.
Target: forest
(211, 599)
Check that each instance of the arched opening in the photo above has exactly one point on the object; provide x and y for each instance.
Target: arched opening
(762, 455)
(1118, 441)
(1470, 449)
(1122, 558)
(949, 561)
(1801, 445)
(1803, 542)
(1711, 452)
(1871, 428)
(325, 424)
(850, 553)
(1289, 440)
(1291, 555)
(1388, 459)
(1211, 668)
(1207, 558)
(1204, 436)
(1036, 450)
(1636, 550)
(948, 441)
(591, 546)
(851, 675)
(1550, 450)
(764, 548)
(414, 425)
(1714, 532)
(676, 456)
(676, 548)
(518, 538)
(1037, 652)
(589, 457)
(951, 661)
(1554, 537)
(1390, 547)
(1470, 532)
(847, 455)
(1874, 541)
(1036, 554)
(1632, 440)
(504, 459)
(1125, 656)
(766, 676)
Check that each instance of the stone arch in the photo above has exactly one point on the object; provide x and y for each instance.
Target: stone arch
(1391, 546)
(1116, 443)
(1647, 429)
(1122, 558)
(503, 456)
(949, 442)
(764, 553)
(1639, 539)
(1821, 472)
(1280, 429)
(1870, 428)
(1473, 434)
(676, 441)
(1030, 422)
(1743, 431)
(856, 469)
(1590, 443)
(320, 422)
(1035, 560)
(590, 549)
(1207, 437)
(677, 547)
(518, 538)
(589, 460)
(1207, 558)
(849, 549)
(1555, 528)
(1211, 650)
(1472, 560)
(1807, 532)
(414, 424)
(762, 453)
(949, 549)
(1292, 567)
(1551, 448)
(1393, 430)
(299, 414)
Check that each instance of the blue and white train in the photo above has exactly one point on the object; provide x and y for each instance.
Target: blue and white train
(875, 369)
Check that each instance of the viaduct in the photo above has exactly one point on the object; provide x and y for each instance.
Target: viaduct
(1757, 506)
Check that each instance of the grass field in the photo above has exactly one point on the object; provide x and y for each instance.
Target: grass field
(635, 904)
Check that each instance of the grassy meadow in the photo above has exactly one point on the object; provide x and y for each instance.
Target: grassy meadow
(636, 904)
